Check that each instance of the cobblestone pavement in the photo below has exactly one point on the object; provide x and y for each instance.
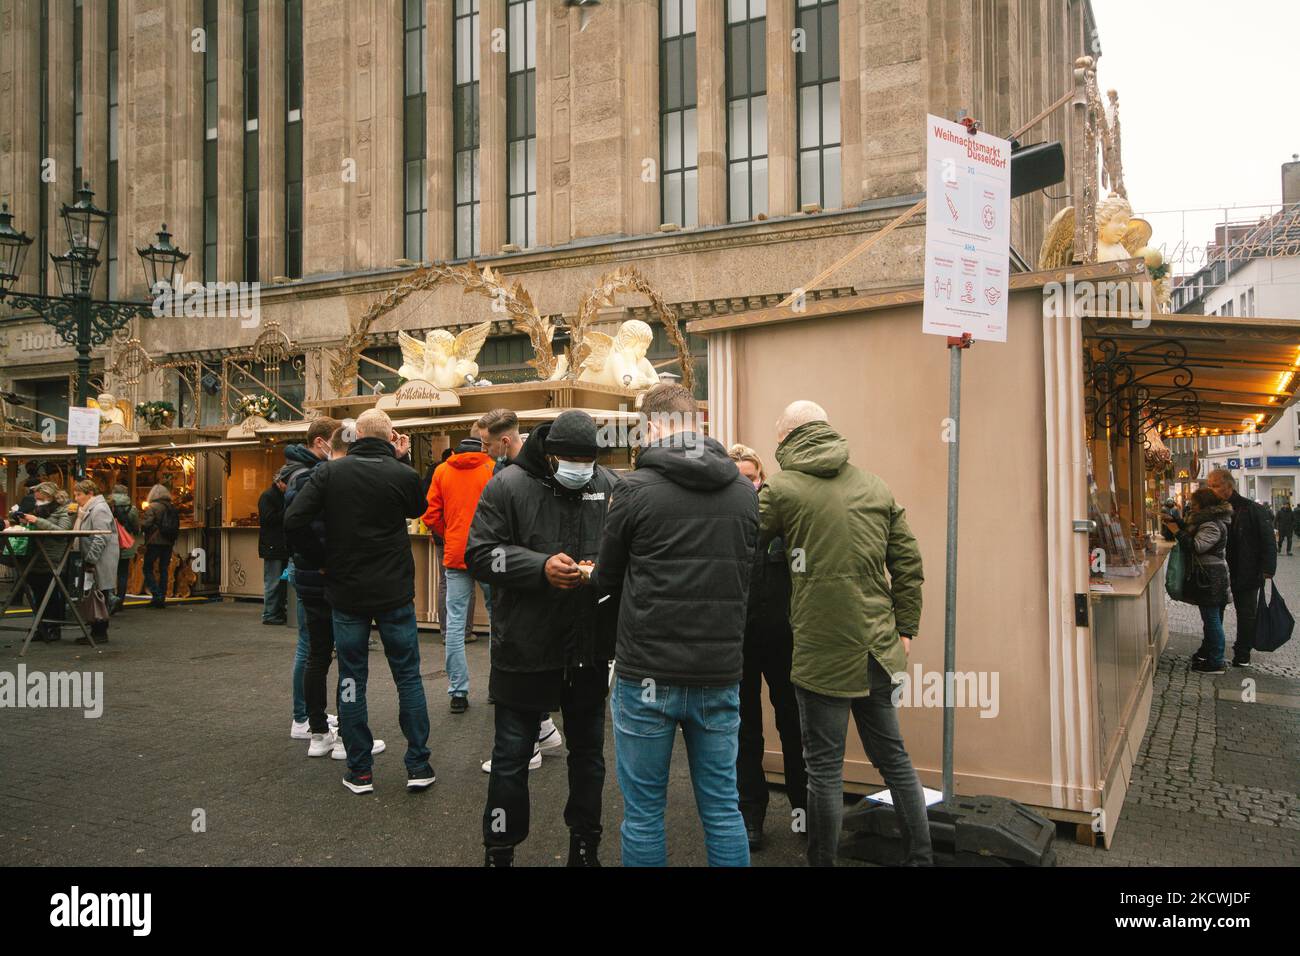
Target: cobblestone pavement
(197, 713)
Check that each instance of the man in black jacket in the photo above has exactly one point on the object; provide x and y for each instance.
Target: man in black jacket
(551, 639)
(1252, 559)
(676, 553)
(272, 549)
(365, 499)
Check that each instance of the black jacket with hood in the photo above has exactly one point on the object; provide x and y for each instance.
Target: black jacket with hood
(307, 577)
(523, 518)
(364, 500)
(1252, 549)
(677, 552)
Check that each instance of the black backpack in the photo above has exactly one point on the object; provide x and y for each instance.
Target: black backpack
(169, 524)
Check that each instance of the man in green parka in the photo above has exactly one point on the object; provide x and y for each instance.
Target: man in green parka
(855, 605)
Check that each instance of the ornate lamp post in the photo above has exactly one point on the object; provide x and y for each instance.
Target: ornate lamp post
(82, 321)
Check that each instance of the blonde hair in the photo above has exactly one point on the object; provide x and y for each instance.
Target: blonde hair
(739, 453)
(87, 487)
(373, 423)
(159, 493)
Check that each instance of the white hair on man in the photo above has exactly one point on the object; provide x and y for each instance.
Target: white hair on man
(1221, 475)
(798, 413)
(374, 423)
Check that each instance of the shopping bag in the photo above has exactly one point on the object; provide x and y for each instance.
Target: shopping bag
(1273, 621)
(124, 538)
(1176, 572)
(93, 607)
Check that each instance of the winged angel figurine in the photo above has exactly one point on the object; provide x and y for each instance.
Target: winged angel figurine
(442, 359)
(619, 359)
(1119, 235)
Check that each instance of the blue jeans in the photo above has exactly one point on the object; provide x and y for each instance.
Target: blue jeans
(460, 588)
(273, 589)
(645, 727)
(300, 654)
(1214, 640)
(401, 639)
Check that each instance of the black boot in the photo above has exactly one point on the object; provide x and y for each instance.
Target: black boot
(499, 856)
(583, 849)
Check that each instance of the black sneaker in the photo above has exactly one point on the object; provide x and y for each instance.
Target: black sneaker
(1241, 662)
(1208, 667)
(459, 704)
(499, 856)
(1200, 656)
(359, 782)
(417, 781)
(754, 834)
(583, 849)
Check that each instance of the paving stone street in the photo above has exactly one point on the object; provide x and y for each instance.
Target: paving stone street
(196, 719)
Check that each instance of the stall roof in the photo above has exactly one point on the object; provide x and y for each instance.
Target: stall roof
(1203, 374)
(289, 429)
(66, 452)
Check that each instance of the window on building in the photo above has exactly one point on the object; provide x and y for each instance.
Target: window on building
(465, 119)
(818, 77)
(1250, 300)
(209, 141)
(521, 122)
(1227, 308)
(113, 115)
(416, 206)
(78, 101)
(293, 139)
(679, 147)
(251, 169)
(746, 109)
(369, 374)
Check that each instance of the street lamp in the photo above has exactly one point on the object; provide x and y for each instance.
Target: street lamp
(80, 320)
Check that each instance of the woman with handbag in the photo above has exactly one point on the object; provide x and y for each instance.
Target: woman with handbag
(50, 504)
(99, 554)
(1204, 536)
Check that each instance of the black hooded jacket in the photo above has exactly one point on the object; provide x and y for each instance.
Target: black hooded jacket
(1252, 549)
(677, 552)
(365, 500)
(525, 516)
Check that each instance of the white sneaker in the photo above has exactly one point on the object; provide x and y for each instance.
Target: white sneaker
(332, 720)
(341, 752)
(321, 744)
(300, 731)
(533, 764)
(548, 737)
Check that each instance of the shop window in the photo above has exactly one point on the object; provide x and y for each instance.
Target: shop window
(465, 41)
(818, 80)
(746, 109)
(679, 146)
(521, 122)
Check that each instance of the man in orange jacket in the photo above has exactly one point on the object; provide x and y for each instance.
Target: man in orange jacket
(453, 496)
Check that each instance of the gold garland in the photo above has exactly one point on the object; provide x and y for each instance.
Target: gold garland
(626, 279)
(515, 300)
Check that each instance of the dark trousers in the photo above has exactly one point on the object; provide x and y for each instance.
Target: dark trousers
(1247, 602)
(825, 722)
(320, 630)
(57, 609)
(582, 704)
(768, 657)
(123, 572)
(1284, 537)
(159, 555)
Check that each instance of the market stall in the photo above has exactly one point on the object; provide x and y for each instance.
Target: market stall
(1059, 663)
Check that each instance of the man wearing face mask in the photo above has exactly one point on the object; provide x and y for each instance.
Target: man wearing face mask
(499, 430)
(536, 531)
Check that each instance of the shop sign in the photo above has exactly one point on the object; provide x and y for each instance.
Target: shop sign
(417, 394)
(967, 232)
(1284, 461)
(83, 426)
(1234, 462)
(1252, 462)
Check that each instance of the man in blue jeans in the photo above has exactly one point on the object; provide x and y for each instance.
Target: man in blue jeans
(365, 499)
(676, 552)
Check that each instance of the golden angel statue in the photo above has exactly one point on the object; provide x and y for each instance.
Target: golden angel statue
(619, 359)
(1119, 235)
(442, 359)
(110, 411)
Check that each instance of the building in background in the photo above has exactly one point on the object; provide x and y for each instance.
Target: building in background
(728, 149)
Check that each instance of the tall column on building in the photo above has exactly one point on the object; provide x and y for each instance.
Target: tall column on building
(851, 56)
(330, 166)
(20, 92)
(492, 123)
(230, 140)
(379, 128)
(711, 73)
(59, 131)
(889, 63)
(782, 138)
(185, 219)
(439, 243)
(639, 39)
(94, 118)
(270, 139)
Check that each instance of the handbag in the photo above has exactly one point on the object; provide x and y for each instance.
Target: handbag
(1273, 621)
(1176, 572)
(93, 607)
(125, 539)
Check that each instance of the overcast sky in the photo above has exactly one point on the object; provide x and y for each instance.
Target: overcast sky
(1209, 95)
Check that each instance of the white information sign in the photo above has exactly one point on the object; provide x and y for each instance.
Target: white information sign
(967, 232)
(83, 426)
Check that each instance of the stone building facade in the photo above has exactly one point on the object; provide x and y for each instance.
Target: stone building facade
(728, 149)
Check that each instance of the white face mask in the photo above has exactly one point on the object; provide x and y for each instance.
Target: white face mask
(574, 474)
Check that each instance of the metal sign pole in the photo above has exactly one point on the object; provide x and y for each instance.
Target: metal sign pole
(956, 345)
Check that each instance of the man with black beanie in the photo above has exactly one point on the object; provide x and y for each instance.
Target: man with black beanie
(534, 537)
